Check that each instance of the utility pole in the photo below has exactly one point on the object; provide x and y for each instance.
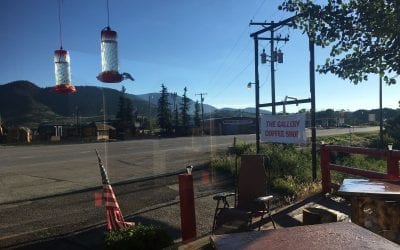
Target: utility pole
(313, 120)
(149, 119)
(272, 70)
(202, 111)
(380, 109)
(77, 119)
(273, 56)
(257, 85)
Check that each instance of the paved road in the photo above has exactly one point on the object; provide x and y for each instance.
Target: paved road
(35, 171)
(27, 172)
(340, 131)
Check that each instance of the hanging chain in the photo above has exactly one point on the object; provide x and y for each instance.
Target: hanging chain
(59, 21)
(108, 15)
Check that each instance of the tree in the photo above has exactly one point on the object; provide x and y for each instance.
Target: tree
(176, 117)
(363, 35)
(184, 108)
(121, 105)
(125, 111)
(163, 111)
(392, 130)
(196, 118)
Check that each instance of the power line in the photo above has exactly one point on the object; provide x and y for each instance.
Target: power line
(233, 79)
(246, 28)
(233, 62)
(213, 78)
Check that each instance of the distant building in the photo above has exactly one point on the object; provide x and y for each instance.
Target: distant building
(230, 126)
(55, 132)
(99, 131)
(19, 134)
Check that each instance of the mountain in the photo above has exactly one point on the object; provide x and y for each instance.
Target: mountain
(155, 96)
(24, 103)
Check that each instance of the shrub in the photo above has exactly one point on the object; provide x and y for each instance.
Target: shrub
(285, 160)
(224, 163)
(138, 237)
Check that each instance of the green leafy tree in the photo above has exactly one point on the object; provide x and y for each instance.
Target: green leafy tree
(363, 35)
(163, 111)
(196, 118)
(184, 108)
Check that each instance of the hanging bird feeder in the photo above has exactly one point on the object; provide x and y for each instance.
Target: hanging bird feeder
(62, 65)
(109, 56)
(62, 72)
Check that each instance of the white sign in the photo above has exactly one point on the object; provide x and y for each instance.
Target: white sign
(283, 129)
(371, 117)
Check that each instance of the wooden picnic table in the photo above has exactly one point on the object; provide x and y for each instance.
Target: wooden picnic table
(339, 235)
(375, 204)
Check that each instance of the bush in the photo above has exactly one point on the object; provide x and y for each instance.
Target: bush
(285, 160)
(224, 163)
(138, 237)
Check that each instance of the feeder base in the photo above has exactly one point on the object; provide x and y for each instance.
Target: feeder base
(64, 89)
(110, 77)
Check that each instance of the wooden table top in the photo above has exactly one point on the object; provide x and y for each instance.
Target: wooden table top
(339, 235)
(376, 188)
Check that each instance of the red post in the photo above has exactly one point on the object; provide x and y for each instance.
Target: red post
(326, 176)
(188, 215)
(392, 166)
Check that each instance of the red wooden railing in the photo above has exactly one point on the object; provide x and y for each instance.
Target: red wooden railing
(392, 158)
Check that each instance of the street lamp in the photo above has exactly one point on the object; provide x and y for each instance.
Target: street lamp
(249, 85)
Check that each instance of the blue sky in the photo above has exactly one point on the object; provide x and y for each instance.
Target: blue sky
(201, 44)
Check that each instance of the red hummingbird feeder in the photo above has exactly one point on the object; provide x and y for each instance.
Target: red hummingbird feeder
(62, 73)
(109, 56)
(62, 69)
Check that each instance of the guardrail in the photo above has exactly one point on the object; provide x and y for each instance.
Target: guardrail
(392, 157)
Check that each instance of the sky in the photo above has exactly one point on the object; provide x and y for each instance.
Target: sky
(201, 44)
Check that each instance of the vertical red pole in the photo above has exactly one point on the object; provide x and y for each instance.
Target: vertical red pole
(326, 176)
(188, 215)
(392, 166)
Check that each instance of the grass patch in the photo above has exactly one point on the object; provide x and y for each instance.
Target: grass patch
(354, 139)
(290, 166)
(357, 161)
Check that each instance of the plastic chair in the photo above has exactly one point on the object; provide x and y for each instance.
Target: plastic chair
(252, 198)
